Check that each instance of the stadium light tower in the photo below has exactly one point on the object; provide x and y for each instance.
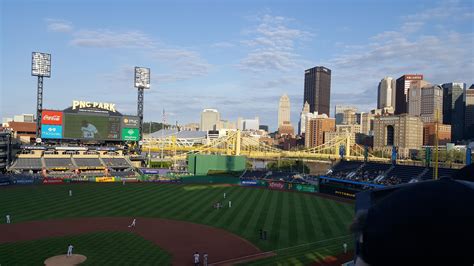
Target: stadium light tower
(142, 82)
(40, 67)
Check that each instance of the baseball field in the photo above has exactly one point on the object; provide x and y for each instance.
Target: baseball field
(173, 221)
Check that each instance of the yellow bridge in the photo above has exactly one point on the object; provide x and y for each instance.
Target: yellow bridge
(241, 143)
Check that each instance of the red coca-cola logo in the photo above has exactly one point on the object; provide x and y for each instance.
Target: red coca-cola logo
(52, 118)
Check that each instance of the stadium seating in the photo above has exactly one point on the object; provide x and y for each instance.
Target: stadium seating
(116, 162)
(58, 163)
(405, 172)
(88, 162)
(28, 163)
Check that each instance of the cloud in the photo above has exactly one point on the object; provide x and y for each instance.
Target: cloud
(441, 56)
(59, 25)
(169, 63)
(222, 45)
(272, 45)
(104, 38)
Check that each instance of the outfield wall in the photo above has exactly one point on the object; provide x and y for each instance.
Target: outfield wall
(200, 164)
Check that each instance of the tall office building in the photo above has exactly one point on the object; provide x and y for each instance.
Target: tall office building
(302, 122)
(425, 102)
(284, 111)
(403, 131)
(315, 129)
(317, 89)
(454, 108)
(367, 123)
(339, 111)
(469, 114)
(209, 119)
(386, 93)
(403, 83)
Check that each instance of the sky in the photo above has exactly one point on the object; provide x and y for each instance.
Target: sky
(235, 56)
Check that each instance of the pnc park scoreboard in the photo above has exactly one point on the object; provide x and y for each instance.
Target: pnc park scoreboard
(89, 121)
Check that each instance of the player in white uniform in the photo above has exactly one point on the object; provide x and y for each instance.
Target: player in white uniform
(69, 250)
(70, 193)
(196, 258)
(88, 130)
(345, 247)
(133, 223)
(230, 203)
(7, 217)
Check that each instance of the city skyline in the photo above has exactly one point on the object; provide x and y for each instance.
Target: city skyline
(240, 67)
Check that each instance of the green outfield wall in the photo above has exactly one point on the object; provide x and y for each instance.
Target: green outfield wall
(199, 164)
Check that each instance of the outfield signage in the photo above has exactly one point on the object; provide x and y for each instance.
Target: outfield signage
(249, 183)
(276, 185)
(23, 181)
(130, 134)
(51, 117)
(150, 171)
(52, 181)
(130, 122)
(51, 132)
(106, 179)
(305, 188)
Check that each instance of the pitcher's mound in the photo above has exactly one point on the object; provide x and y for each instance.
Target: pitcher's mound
(75, 259)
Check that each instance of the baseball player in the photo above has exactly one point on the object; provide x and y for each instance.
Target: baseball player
(230, 203)
(7, 217)
(224, 195)
(196, 258)
(69, 250)
(345, 247)
(133, 223)
(204, 259)
(123, 182)
(70, 193)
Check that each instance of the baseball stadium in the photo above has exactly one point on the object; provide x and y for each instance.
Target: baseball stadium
(88, 184)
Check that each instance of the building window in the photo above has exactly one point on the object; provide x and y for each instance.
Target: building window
(390, 135)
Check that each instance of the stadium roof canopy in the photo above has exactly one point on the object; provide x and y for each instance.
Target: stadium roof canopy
(164, 133)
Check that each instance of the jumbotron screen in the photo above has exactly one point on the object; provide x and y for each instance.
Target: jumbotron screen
(92, 127)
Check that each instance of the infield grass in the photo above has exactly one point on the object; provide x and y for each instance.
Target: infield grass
(314, 227)
(99, 248)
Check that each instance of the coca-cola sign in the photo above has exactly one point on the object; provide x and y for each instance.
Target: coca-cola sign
(52, 117)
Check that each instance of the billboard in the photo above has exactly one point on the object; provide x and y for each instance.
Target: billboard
(130, 121)
(91, 127)
(51, 132)
(132, 134)
(51, 117)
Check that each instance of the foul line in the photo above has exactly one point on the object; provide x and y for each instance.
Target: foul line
(275, 250)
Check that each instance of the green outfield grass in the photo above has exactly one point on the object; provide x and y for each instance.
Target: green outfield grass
(291, 219)
(134, 250)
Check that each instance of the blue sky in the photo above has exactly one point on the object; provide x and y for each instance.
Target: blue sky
(236, 56)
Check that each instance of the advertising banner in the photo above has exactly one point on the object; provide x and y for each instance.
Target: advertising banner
(51, 117)
(52, 181)
(305, 188)
(105, 179)
(147, 171)
(79, 179)
(4, 181)
(130, 122)
(130, 134)
(338, 191)
(23, 181)
(249, 183)
(276, 185)
(51, 132)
